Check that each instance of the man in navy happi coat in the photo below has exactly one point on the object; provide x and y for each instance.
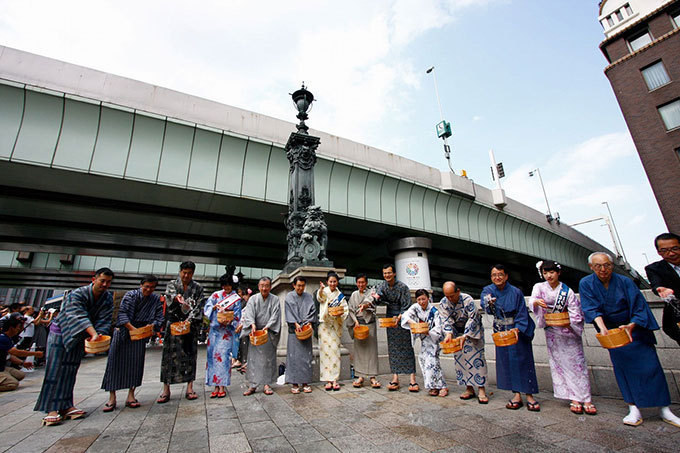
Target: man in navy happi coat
(609, 301)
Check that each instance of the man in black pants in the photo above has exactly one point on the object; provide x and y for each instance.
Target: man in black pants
(664, 276)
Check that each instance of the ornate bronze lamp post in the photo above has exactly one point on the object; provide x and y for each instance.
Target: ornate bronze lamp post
(307, 231)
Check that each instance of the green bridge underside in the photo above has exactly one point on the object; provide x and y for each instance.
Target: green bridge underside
(90, 178)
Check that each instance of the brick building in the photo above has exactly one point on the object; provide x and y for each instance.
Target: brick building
(642, 46)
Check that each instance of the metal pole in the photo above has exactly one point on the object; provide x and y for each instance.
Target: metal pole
(436, 91)
(609, 225)
(646, 258)
(615, 230)
(538, 170)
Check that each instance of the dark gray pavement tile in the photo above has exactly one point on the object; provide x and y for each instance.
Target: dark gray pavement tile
(272, 444)
(301, 434)
(260, 430)
(229, 443)
(316, 447)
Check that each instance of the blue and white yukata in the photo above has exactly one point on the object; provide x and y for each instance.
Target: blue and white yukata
(636, 366)
(429, 344)
(515, 369)
(463, 318)
(66, 345)
(221, 338)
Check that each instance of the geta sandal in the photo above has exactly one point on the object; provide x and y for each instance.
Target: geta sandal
(268, 391)
(132, 404)
(590, 409)
(483, 399)
(74, 414)
(191, 396)
(306, 389)
(444, 392)
(250, 391)
(358, 383)
(467, 395)
(375, 383)
(533, 407)
(163, 399)
(414, 388)
(214, 394)
(49, 420)
(393, 386)
(221, 394)
(109, 407)
(576, 408)
(514, 405)
(433, 392)
(295, 390)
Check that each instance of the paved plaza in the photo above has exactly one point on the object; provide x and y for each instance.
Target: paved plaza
(349, 420)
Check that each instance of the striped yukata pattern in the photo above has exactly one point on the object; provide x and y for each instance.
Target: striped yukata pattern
(125, 365)
(60, 375)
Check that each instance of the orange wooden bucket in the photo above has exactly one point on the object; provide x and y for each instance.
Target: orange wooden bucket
(420, 328)
(505, 338)
(557, 319)
(141, 333)
(615, 338)
(258, 337)
(455, 345)
(305, 332)
(361, 332)
(101, 345)
(180, 328)
(338, 310)
(388, 322)
(224, 317)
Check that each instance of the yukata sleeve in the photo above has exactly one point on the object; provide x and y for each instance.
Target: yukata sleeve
(536, 294)
(523, 322)
(248, 315)
(210, 305)
(197, 312)
(575, 313)
(274, 323)
(409, 316)
(591, 306)
(127, 308)
(482, 300)
(158, 317)
(473, 326)
(237, 314)
(640, 313)
(404, 298)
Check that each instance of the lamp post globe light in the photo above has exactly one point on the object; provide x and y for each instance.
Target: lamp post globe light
(302, 99)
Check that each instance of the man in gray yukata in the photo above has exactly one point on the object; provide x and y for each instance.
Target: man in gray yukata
(263, 312)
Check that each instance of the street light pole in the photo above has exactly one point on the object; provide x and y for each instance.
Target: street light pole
(549, 216)
(436, 91)
(615, 230)
(446, 127)
(611, 230)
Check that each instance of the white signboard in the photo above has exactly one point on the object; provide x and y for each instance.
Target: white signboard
(414, 271)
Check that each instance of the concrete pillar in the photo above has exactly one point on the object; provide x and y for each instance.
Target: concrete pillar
(410, 261)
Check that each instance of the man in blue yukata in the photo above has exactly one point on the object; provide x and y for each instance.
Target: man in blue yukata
(611, 300)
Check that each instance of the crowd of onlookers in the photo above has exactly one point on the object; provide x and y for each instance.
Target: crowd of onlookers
(23, 339)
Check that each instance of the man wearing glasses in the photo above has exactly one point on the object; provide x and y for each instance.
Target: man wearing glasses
(664, 276)
(609, 301)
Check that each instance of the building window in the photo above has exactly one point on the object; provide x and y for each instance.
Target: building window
(619, 16)
(676, 19)
(639, 41)
(655, 75)
(610, 21)
(670, 114)
(629, 10)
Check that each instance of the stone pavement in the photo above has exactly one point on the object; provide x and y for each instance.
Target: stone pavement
(349, 420)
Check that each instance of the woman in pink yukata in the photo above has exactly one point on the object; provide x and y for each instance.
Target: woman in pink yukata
(565, 346)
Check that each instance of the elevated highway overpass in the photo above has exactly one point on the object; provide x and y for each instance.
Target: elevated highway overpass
(95, 164)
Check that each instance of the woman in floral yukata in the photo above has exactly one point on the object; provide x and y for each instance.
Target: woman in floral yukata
(424, 311)
(565, 346)
(222, 335)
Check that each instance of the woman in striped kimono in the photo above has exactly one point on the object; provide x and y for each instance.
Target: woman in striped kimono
(85, 312)
(222, 335)
(125, 364)
(330, 331)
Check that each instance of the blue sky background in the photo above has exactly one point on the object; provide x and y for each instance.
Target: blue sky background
(524, 77)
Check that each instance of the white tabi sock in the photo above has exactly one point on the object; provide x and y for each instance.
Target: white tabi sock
(634, 416)
(669, 417)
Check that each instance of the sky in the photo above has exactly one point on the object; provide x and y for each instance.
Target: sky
(522, 77)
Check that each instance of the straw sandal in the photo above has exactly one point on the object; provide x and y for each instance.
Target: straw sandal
(74, 414)
(306, 389)
(589, 409)
(514, 405)
(375, 383)
(576, 408)
(533, 407)
(393, 386)
(163, 399)
(50, 420)
(414, 388)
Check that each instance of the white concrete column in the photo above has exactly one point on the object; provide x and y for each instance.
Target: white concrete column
(410, 261)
